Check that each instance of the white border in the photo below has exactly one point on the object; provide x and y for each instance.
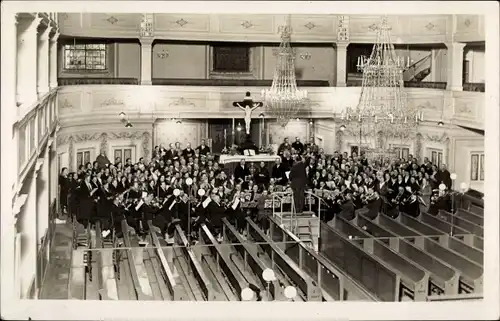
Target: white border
(485, 309)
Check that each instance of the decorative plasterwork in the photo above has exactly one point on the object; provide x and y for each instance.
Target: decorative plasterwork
(182, 102)
(464, 109)
(426, 105)
(430, 26)
(310, 25)
(305, 56)
(147, 29)
(112, 20)
(343, 28)
(112, 102)
(65, 104)
(181, 22)
(373, 27)
(247, 24)
(436, 138)
(467, 23)
(162, 54)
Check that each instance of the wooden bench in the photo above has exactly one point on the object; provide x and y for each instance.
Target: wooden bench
(460, 222)
(196, 269)
(470, 216)
(413, 276)
(249, 252)
(376, 275)
(222, 255)
(304, 282)
(471, 273)
(442, 276)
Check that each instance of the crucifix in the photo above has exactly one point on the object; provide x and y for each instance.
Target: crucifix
(248, 106)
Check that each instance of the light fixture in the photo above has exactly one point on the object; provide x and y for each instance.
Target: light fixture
(201, 192)
(129, 125)
(463, 187)
(311, 122)
(382, 111)
(268, 275)
(440, 123)
(177, 192)
(298, 119)
(442, 187)
(342, 128)
(453, 176)
(122, 115)
(239, 128)
(261, 115)
(247, 294)
(178, 121)
(189, 181)
(283, 100)
(290, 292)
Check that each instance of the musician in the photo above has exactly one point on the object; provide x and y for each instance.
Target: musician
(278, 173)
(298, 180)
(347, 210)
(312, 146)
(188, 152)
(262, 175)
(410, 204)
(241, 171)
(215, 213)
(283, 146)
(298, 146)
(102, 160)
(394, 207)
(203, 149)
(443, 176)
(87, 202)
(373, 203)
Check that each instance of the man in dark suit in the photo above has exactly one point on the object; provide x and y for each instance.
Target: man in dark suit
(347, 210)
(444, 176)
(203, 149)
(262, 175)
(298, 178)
(298, 146)
(188, 152)
(88, 195)
(278, 173)
(241, 171)
(215, 214)
(170, 153)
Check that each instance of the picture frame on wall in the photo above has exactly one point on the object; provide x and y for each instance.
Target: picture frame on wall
(474, 167)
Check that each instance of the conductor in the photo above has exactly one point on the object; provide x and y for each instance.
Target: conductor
(298, 178)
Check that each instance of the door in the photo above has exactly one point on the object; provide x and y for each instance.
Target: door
(219, 132)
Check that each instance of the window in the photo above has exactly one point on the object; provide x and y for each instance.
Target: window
(231, 58)
(83, 157)
(401, 151)
(477, 166)
(124, 153)
(91, 57)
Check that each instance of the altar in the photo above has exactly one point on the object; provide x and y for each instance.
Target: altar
(229, 162)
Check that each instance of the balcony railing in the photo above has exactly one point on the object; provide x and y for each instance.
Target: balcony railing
(472, 86)
(97, 81)
(408, 84)
(232, 82)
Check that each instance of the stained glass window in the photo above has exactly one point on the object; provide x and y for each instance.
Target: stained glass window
(85, 57)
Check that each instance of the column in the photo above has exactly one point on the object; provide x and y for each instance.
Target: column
(27, 61)
(43, 62)
(43, 185)
(342, 64)
(146, 60)
(53, 61)
(433, 65)
(454, 66)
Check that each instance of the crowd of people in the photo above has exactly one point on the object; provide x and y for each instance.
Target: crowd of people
(188, 187)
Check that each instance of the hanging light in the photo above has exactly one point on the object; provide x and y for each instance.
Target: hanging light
(382, 111)
(239, 128)
(129, 125)
(311, 122)
(342, 128)
(440, 123)
(261, 115)
(178, 121)
(283, 100)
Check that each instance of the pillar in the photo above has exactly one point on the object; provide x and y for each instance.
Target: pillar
(53, 60)
(27, 61)
(9, 163)
(455, 66)
(43, 185)
(342, 64)
(146, 60)
(43, 62)
(434, 69)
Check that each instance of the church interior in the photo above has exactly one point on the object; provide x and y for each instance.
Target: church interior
(212, 120)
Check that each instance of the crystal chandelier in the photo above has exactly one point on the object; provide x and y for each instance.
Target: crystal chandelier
(382, 111)
(283, 100)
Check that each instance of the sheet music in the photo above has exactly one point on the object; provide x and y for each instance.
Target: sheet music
(206, 202)
(287, 174)
(246, 152)
(139, 205)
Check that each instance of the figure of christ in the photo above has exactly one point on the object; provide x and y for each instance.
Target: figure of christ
(248, 114)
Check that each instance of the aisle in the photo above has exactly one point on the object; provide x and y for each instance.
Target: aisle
(55, 285)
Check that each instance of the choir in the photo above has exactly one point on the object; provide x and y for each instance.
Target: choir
(188, 187)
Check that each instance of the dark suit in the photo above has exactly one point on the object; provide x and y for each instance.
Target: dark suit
(278, 173)
(87, 205)
(203, 150)
(298, 180)
(347, 210)
(240, 172)
(444, 177)
(215, 214)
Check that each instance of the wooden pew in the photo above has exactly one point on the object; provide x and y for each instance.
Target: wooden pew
(455, 241)
(442, 275)
(471, 273)
(330, 279)
(376, 275)
(473, 204)
(173, 283)
(249, 252)
(476, 210)
(199, 274)
(460, 222)
(469, 216)
(304, 282)
(413, 276)
(222, 255)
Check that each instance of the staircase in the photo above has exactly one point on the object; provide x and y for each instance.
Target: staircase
(304, 225)
(419, 70)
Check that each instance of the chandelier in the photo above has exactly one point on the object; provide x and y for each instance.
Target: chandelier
(283, 100)
(382, 111)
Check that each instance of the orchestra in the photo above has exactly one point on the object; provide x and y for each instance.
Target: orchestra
(158, 191)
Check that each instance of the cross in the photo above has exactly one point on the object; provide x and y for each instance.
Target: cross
(248, 106)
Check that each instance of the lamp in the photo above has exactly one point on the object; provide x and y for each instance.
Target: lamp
(268, 276)
(310, 121)
(201, 192)
(342, 128)
(177, 192)
(261, 115)
(440, 123)
(122, 115)
(129, 125)
(464, 187)
(442, 187)
(238, 128)
(247, 294)
(290, 292)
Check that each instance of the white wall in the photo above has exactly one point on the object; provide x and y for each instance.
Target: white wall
(475, 56)
(189, 131)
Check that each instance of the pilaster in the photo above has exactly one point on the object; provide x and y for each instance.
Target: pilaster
(455, 66)
(27, 60)
(341, 66)
(146, 60)
(53, 61)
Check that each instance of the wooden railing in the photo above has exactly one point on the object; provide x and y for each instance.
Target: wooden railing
(408, 84)
(419, 66)
(96, 81)
(232, 82)
(472, 86)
